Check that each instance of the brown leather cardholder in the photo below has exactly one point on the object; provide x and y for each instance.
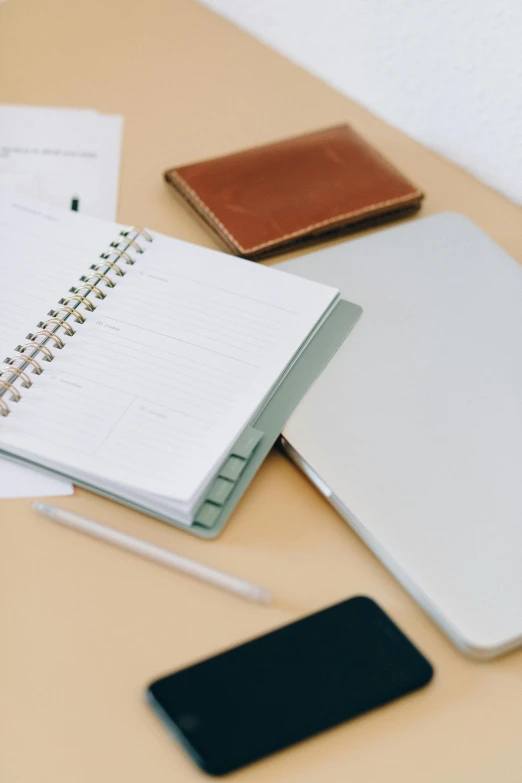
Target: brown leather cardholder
(266, 199)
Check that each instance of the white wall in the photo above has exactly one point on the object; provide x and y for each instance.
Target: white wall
(447, 72)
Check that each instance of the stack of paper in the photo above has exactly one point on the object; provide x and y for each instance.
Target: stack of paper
(66, 157)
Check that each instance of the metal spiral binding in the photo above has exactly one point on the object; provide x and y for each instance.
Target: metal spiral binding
(51, 335)
(8, 386)
(18, 367)
(26, 381)
(99, 276)
(69, 331)
(70, 311)
(110, 265)
(81, 299)
(90, 288)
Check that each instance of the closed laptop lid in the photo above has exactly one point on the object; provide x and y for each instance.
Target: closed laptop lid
(415, 426)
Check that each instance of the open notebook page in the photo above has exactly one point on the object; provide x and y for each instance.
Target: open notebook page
(39, 250)
(158, 383)
(43, 252)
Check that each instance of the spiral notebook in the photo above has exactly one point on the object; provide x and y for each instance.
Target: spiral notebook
(146, 368)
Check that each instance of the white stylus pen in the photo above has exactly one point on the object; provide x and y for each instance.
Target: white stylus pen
(164, 556)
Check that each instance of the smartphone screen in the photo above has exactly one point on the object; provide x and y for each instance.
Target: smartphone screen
(278, 689)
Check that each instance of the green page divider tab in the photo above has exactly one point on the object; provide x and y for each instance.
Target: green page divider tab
(222, 487)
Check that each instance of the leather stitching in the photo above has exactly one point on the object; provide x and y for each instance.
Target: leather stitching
(192, 196)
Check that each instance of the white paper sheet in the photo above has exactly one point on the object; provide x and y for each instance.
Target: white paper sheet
(17, 481)
(66, 157)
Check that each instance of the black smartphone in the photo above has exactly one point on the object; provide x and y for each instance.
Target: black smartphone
(255, 699)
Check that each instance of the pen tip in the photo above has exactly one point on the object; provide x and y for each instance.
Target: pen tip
(264, 597)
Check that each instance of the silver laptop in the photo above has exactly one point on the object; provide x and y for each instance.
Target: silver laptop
(414, 430)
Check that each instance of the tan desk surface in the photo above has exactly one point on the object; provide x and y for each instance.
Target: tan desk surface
(85, 627)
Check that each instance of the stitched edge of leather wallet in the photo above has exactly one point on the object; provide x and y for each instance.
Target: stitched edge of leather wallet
(395, 206)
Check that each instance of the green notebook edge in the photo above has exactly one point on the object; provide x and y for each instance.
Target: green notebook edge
(273, 418)
(265, 429)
